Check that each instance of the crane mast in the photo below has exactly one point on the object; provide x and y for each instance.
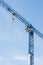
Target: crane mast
(31, 47)
(29, 28)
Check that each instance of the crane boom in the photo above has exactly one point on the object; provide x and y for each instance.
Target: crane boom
(18, 16)
(15, 13)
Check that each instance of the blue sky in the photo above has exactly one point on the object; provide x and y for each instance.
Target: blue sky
(14, 44)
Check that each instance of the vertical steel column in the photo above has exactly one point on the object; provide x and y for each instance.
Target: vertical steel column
(31, 47)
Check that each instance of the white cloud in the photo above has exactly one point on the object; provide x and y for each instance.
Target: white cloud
(23, 58)
(20, 57)
(2, 58)
(5, 61)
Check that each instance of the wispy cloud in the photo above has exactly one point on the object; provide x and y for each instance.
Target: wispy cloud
(21, 58)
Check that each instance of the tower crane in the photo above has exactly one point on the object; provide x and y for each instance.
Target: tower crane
(29, 28)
